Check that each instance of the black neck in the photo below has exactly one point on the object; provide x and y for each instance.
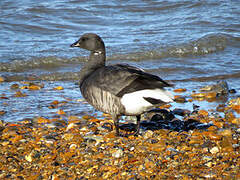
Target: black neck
(96, 60)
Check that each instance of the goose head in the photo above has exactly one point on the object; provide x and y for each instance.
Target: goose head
(91, 42)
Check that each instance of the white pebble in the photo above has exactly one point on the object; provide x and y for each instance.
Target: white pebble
(214, 150)
(118, 153)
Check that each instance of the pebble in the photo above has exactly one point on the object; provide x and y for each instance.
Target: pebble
(41, 120)
(226, 132)
(211, 95)
(2, 112)
(198, 95)
(234, 101)
(14, 86)
(118, 153)
(73, 147)
(148, 134)
(28, 157)
(132, 148)
(180, 90)
(68, 136)
(220, 108)
(49, 141)
(50, 125)
(236, 145)
(20, 94)
(238, 130)
(70, 126)
(2, 79)
(105, 125)
(180, 99)
(207, 158)
(203, 112)
(232, 91)
(98, 139)
(172, 149)
(181, 112)
(214, 150)
(209, 164)
(58, 88)
(220, 88)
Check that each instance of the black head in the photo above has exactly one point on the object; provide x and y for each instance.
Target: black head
(90, 41)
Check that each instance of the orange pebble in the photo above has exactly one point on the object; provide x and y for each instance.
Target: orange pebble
(58, 88)
(34, 87)
(61, 112)
(42, 120)
(236, 108)
(203, 112)
(2, 79)
(198, 95)
(180, 90)
(211, 95)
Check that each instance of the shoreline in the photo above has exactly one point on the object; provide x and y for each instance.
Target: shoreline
(65, 146)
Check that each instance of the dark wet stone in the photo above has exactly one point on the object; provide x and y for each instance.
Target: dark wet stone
(50, 137)
(51, 106)
(195, 109)
(14, 86)
(181, 112)
(176, 125)
(128, 127)
(180, 99)
(2, 112)
(56, 163)
(90, 141)
(191, 124)
(107, 126)
(157, 117)
(150, 125)
(161, 114)
(220, 108)
(1, 129)
(153, 141)
(60, 123)
(164, 119)
(8, 176)
(20, 177)
(173, 124)
(232, 91)
(92, 125)
(221, 88)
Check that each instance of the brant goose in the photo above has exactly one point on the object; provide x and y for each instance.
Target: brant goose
(118, 89)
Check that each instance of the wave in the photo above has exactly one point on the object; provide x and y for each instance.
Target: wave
(74, 76)
(41, 63)
(208, 44)
(210, 78)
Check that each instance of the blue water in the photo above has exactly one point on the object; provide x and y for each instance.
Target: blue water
(191, 43)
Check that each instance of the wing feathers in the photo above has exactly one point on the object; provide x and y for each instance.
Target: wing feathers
(121, 79)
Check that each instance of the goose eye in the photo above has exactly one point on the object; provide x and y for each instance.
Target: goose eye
(84, 39)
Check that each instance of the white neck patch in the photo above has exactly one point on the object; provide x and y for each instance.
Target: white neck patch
(96, 53)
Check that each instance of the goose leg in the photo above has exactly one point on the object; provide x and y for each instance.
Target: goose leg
(138, 125)
(116, 123)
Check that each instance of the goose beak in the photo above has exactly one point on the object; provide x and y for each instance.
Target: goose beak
(76, 44)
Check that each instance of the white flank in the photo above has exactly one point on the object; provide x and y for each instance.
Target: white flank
(135, 103)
